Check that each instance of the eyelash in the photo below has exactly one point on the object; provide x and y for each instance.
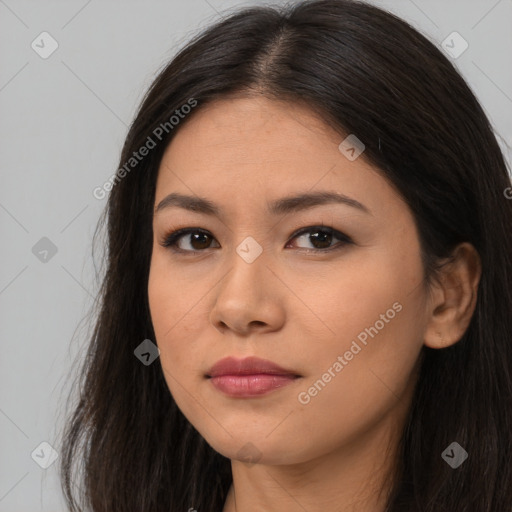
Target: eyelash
(170, 240)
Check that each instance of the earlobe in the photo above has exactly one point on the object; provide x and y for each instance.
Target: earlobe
(453, 300)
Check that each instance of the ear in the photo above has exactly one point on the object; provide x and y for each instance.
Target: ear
(452, 301)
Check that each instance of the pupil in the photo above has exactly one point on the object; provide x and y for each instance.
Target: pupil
(196, 239)
(325, 242)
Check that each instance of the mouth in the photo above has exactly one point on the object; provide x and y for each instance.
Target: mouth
(250, 377)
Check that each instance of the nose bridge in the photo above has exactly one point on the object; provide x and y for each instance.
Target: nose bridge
(248, 265)
(246, 294)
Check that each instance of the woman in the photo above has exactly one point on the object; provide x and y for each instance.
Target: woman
(307, 301)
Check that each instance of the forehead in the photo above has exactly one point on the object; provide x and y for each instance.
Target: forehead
(250, 122)
(254, 148)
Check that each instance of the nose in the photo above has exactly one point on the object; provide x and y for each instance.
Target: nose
(249, 298)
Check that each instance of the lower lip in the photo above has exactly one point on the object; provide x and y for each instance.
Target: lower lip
(245, 386)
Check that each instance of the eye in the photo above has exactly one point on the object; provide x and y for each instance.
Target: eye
(199, 240)
(321, 237)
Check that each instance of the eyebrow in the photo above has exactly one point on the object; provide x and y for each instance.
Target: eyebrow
(281, 206)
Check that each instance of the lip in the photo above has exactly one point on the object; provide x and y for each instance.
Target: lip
(249, 377)
(247, 366)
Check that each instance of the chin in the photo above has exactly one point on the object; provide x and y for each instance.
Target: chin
(257, 447)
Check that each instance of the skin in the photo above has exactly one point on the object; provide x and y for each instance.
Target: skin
(296, 308)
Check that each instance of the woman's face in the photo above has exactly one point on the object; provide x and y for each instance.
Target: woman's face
(342, 311)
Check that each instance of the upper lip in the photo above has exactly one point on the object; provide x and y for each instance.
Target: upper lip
(247, 366)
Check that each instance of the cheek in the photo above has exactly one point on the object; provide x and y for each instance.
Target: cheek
(169, 319)
(364, 291)
(178, 310)
(174, 303)
(362, 372)
(374, 310)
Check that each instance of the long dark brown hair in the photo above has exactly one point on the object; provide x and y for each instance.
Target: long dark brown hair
(126, 445)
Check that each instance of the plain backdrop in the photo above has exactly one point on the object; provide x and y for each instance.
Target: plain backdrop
(63, 121)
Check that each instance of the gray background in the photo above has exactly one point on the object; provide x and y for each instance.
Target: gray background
(62, 125)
